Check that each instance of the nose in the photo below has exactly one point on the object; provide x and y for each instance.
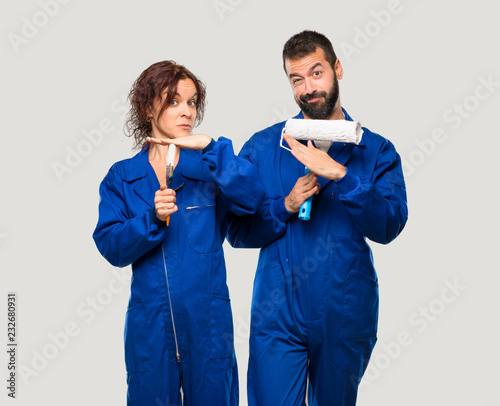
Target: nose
(186, 111)
(308, 86)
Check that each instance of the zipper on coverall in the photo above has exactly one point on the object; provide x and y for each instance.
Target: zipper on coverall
(178, 356)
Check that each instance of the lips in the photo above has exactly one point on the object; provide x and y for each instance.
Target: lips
(313, 97)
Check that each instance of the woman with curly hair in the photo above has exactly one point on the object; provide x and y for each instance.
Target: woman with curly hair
(178, 331)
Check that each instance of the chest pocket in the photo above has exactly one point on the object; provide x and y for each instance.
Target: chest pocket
(202, 229)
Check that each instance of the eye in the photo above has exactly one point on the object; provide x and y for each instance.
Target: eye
(317, 73)
(296, 81)
(174, 102)
(192, 103)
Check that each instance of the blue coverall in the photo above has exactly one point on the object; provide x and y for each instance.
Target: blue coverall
(315, 292)
(178, 328)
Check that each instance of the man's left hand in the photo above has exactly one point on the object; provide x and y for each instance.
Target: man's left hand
(315, 160)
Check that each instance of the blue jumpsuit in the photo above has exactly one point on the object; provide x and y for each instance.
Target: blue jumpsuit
(315, 292)
(178, 328)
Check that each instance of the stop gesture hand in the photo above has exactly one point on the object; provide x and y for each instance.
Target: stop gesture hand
(315, 160)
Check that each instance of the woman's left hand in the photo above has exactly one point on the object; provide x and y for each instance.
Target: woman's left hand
(197, 141)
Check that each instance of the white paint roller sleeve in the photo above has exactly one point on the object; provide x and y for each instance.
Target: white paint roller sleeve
(324, 130)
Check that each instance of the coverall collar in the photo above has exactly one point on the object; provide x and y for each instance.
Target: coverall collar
(189, 166)
(137, 167)
(136, 172)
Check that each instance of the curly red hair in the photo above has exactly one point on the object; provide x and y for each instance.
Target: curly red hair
(150, 86)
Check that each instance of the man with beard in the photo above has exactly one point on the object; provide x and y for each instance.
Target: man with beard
(315, 298)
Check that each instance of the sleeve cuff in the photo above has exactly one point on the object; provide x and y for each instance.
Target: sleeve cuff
(209, 146)
(348, 183)
(156, 220)
(279, 211)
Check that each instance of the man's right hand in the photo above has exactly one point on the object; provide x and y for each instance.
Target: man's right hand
(165, 202)
(305, 187)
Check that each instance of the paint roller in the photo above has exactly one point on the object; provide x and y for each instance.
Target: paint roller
(170, 169)
(324, 133)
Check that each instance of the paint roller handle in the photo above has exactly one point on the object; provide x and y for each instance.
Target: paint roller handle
(169, 185)
(305, 209)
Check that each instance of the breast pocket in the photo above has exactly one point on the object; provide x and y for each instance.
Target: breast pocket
(202, 229)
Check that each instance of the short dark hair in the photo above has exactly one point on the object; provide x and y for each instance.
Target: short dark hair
(148, 87)
(305, 43)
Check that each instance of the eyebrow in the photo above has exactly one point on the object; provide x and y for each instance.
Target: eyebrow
(310, 70)
(192, 97)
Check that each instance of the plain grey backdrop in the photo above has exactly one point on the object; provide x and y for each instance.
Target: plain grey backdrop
(424, 74)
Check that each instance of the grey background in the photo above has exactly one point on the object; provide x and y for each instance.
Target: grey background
(401, 82)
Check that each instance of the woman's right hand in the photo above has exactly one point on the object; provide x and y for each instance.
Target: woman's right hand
(196, 141)
(165, 202)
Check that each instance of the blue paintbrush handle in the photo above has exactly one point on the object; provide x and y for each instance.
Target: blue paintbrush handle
(305, 209)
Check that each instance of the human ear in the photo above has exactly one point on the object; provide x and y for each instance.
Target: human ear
(338, 69)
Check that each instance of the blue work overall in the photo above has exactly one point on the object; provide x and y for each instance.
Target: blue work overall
(178, 329)
(315, 294)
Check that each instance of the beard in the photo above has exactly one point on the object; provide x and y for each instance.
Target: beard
(320, 110)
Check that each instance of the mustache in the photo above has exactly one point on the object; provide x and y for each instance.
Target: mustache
(314, 95)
